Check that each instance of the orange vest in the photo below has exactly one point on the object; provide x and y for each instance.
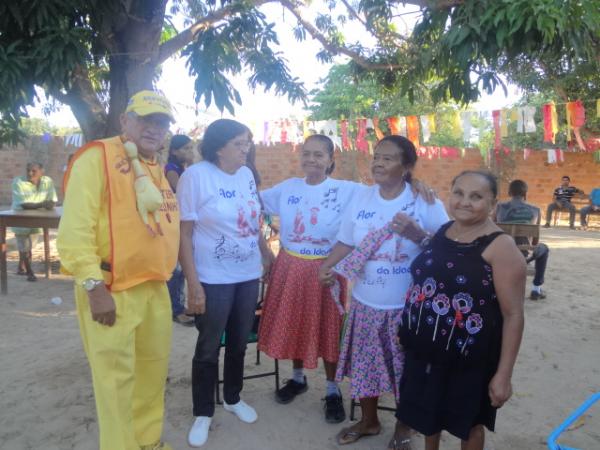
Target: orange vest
(135, 255)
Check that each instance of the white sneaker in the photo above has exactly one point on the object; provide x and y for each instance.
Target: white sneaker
(199, 432)
(243, 410)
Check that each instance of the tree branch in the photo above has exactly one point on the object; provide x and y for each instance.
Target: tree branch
(170, 47)
(434, 4)
(388, 36)
(332, 48)
(354, 14)
(84, 103)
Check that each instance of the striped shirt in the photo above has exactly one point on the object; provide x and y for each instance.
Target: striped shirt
(563, 194)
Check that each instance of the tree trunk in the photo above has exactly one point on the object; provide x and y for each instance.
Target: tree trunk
(134, 43)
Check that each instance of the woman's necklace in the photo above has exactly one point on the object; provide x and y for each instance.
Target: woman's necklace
(470, 231)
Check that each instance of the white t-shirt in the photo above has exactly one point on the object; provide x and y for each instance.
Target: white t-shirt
(225, 210)
(310, 215)
(386, 276)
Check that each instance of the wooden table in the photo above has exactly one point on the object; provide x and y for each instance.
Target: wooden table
(32, 218)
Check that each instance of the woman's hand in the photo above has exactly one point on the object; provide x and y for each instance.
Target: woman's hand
(196, 298)
(407, 227)
(326, 275)
(499, 390)
(422, 189)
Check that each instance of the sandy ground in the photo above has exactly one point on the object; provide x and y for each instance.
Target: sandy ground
(46, 400)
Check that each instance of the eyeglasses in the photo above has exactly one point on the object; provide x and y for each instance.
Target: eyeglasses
(241, 144)
(156, 121)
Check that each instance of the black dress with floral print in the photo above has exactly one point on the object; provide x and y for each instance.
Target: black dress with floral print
(451, 330)
(451, 311)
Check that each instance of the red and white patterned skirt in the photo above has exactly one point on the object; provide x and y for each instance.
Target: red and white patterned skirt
(300, 319)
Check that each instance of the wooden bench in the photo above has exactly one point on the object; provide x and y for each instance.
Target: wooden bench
(522, 230)
(579, 203)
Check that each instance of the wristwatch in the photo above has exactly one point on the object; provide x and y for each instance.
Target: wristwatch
(425, 241)
(90, 284)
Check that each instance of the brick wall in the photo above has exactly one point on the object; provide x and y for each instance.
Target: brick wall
(52, 154)
(279, 162)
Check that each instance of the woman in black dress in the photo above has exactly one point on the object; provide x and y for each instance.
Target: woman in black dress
(463, 321)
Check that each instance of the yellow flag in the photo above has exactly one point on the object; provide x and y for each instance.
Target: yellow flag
(431, 118)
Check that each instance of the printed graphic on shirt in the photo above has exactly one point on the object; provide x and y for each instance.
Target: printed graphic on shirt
(169, 203)
(227, 250)
(386, 274)
(123, 164)
(328, 203)
(397, 254)
(330, 200)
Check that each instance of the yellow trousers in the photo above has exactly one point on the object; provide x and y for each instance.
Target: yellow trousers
(129, 363)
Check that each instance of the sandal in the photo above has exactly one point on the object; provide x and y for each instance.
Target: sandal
(400, 444)
(352, 434)
(401, 439)
(184, 320)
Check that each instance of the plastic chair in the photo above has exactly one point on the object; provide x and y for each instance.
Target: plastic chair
(552, 444)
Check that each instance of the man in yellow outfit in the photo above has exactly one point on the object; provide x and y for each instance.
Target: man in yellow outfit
(120, 244)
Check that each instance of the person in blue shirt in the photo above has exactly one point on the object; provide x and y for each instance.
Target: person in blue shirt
(594, 206)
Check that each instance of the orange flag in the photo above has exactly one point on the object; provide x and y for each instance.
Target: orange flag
(412, 127)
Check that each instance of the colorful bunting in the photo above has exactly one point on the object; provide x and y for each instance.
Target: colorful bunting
(412, 129)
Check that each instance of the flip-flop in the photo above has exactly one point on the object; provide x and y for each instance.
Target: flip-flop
(400, 444)
(349, 436)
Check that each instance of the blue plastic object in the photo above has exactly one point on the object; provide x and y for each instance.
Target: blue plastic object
(552, 444)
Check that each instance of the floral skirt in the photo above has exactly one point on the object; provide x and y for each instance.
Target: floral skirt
(371, 354)
(300, 319)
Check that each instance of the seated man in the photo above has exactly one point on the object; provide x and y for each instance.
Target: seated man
(562, 200)
(593, 206)
(33, 191)
(517, 211)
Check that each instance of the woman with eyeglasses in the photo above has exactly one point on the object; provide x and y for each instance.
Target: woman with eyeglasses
(220, 253)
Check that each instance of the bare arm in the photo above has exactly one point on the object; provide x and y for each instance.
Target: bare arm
(48, 204)
(196, 296)
(509, 272)
(172, 178)
(338, 252)
(267, 254)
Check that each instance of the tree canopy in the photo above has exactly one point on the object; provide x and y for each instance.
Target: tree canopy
(92, 55)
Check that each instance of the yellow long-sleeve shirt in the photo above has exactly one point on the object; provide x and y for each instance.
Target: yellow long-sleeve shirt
(83, 234)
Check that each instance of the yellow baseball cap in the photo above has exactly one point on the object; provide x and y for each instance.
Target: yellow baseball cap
(149, 102)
